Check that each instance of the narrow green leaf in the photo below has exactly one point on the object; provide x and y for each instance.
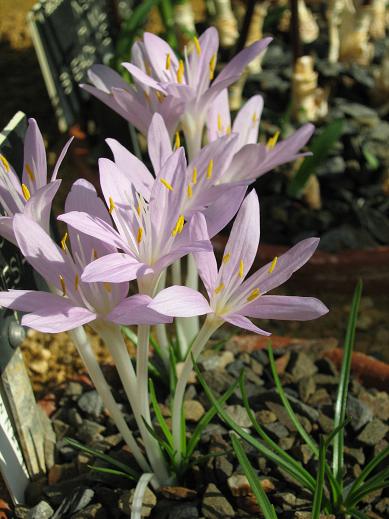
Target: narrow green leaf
(260, 495)
(341, 400)
(113, 472)
(370, 158)
(320, 147)
(319, 486)
(158, 414)
(161, 441)
(358, 515)
(104, 457)
(139, 15)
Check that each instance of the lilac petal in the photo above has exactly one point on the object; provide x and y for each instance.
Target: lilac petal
(248, 163)
(134, 106)
(296, 141)
(221, 212)
(185, 247)
(214, 90)
(242, 244)
(178, 301)
(199, 63)
(34, 157)
(28, 300)
(105, 78)
(6, 229)
(133, 169)
(143, 78)
(115, 268)
(157, 49)
(244, 57)
(285, 266)
(60, 159)
(41, 251)
(158, 141)
(219, 119)
(59, 318)
(285, 307)
(38, 207)
(134, 310)
(247, 121)
(94, 226)
(242, 322)
(205, 260)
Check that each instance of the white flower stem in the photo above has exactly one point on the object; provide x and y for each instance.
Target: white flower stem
(192, 324)
(114, 340)
(209, 327)
(86, 353)
(180, 321)
(162, 336)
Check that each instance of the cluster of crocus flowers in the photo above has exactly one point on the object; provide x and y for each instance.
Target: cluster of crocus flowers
(148, 221)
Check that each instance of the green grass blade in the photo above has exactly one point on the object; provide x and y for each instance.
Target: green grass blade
(158, 414)
(319, 487)
(104, 457)
(320, 147)
(367, 489)
(260, 495)
(112, 472)
(358, 515)
(161, 441)
(341, 400)
(373, 463)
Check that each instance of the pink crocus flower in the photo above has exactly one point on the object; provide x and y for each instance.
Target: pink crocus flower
(186, 85)
(73, 302)
(151, 234)
(232, 297)
(34, 195)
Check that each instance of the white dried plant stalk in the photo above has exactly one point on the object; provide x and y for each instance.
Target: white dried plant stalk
(354, 36)
(184, 21)
(226, 23)
(309, 29)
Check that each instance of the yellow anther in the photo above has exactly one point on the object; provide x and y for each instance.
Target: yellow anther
(168, 61)
(29, 172)
(254, 118)
(148, 69)
(212, 65)
(63, 285)
(272, 141)
(254, 294)
(241, 269)
(107, 286)
(190, 191)
(219, 123)
(139, 235)
(273, 264)
(94, 254)
(166, 184)
(147, 97)
(219, 288)
(160, 96)
(5, 163)
(179, 226)
(210, 169)
(76, 282)
(63, 242)
(194, 176)
(180, 71)
(228, 130)
(111, 205)
(177, 142)
(226, 258)
(26, 192)
(197, 45)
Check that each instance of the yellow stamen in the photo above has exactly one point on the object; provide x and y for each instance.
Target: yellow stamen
(166, 184)
(63, 285)
(111, 205)
(26, 192)
(241, 267)
(219, 288)
(210, 169)
(179, 226)
(160, 96)
(272, 141)
(148, 69)
(254, 118)
(254, 294)
(273, 264)
(29, 172)
(177, 142)
(63, 242)
(212, 65)
(194, 176)
(139, 235)
(197, 45)
(107, 286)
(228, 130)
(219, 123)
(190, 191)
(94, 254)
(180, 71)
(76, 282)
(147, 97)
(5, 163)
(168, 61)
(226, 258)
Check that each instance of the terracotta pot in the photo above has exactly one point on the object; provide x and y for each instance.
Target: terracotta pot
(332, 272)
(369, 371)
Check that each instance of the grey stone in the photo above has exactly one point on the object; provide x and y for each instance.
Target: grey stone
(94, 511)
(239, 415)
(74, 417)
(184, 511)
(218, 380)
(302, 367)
(148, 502)
(374, 432)
(361, 113)
(210, 361)
(21, 512)
(359, 412)
(91, 403)
(355, 454)
(215, 505)
(90, 431)
(193, 410)
(73, 389)
(40, 511)
(276, 430)
(306, 387)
